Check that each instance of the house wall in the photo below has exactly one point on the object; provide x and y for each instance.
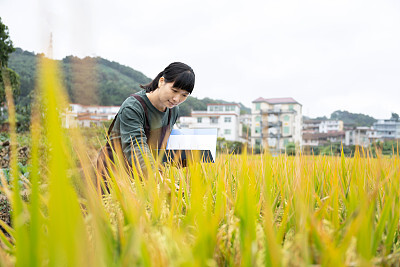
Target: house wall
(289, 128)
(223, 117)
(330, 126)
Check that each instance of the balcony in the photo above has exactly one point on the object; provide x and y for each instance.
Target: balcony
(271, 135)
(272, 124)
(278, 111)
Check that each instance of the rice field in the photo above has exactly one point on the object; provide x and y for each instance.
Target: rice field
(243, 210)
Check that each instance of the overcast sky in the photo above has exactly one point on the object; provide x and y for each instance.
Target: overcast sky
(327, 54)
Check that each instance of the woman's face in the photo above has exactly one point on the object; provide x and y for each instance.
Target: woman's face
(170, 96)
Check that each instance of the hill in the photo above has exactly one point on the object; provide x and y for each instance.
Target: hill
(93, 81)
(356, 119)
(348, 118)
(88, 81)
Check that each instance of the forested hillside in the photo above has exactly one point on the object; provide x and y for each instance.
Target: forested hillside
(356, 119)
(92, 81)
(89, 81)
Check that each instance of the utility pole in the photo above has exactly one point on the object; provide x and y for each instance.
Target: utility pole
(50, 48)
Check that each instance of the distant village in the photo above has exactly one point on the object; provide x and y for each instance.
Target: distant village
(273, 124)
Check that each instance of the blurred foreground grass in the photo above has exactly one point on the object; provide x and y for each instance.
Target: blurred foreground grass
(244, 210)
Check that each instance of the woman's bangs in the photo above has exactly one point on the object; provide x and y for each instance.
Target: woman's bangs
(185, 81)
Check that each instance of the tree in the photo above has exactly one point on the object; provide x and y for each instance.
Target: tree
(353, 118)
(290, 149)
(395, 116)
(230, 147)
(6, 47)
(14, 81)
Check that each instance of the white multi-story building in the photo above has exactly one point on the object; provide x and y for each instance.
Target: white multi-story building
(321, 139)
(361, 136)
(388, 129)
(329, 126)
(311, 126)
(322, 126)
(224, 117)
(276, 122)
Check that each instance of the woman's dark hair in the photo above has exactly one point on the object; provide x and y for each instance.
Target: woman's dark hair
(179, 73)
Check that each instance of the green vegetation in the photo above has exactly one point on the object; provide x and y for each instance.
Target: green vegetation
(6, 74)
(6, 45)
(395, 117)
(353, 118)
(290, 149)
(229, 147)
(94, 81)
(348, 118)
(386, 148)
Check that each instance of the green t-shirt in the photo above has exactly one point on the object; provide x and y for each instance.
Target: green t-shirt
(129, 126)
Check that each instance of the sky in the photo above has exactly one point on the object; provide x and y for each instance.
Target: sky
(326, 54)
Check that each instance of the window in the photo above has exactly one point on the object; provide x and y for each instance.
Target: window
(229, 108)
(227, 119)
(258, 130)
(258, 106)
(258, 142)
(227, 131)
(286, 130)
(258, 118)
(291, 107)
(277, 107)
(216, 108)
(286, 118)
(199, 120)
(285, 142)
(214, 120)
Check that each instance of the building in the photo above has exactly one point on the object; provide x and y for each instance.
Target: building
(388, 129)
(276, 122)
(322, 126)
(321, 139)
(224, 117)
(108, 112)
(87, 116)
(328, 126)
(185, 122)
(361, 136)
(311, 126)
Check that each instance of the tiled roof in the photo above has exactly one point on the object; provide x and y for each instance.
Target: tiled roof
(283, 100)
(213, 114)
(93, 106)
(314, 136)
(91, 119)
(224, 104)
(311, 121)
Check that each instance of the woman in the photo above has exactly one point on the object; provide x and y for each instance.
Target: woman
(145, 119)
